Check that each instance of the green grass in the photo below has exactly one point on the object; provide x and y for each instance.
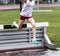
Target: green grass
(9, 16)
(53, 30)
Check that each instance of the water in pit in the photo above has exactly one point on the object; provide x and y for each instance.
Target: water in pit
(33, 53)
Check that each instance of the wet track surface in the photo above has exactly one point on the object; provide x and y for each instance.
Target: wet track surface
(33, 53)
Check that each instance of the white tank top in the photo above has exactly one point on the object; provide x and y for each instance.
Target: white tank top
(27, 8)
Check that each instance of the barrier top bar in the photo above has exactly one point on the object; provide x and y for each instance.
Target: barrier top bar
(39, 24)
(28, 25)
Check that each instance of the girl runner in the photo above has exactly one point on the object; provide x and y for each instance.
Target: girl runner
(26, 13)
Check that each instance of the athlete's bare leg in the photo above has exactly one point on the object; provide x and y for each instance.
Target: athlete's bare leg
(20, 24)
(31, 20)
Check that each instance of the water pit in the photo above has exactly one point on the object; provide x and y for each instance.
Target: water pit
(33, 53)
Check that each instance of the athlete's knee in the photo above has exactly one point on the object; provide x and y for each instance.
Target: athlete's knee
(34, 26)
(20, 26)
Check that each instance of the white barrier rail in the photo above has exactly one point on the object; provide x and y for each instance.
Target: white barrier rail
(28, 25)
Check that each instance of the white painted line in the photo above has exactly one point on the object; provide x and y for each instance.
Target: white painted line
(42, 10)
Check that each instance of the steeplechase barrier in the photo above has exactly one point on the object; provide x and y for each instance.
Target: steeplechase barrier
(14, 40)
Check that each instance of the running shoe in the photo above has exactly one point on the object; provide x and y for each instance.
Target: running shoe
(34, 41)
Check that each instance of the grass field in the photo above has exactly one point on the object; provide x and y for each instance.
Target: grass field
(53, 31)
